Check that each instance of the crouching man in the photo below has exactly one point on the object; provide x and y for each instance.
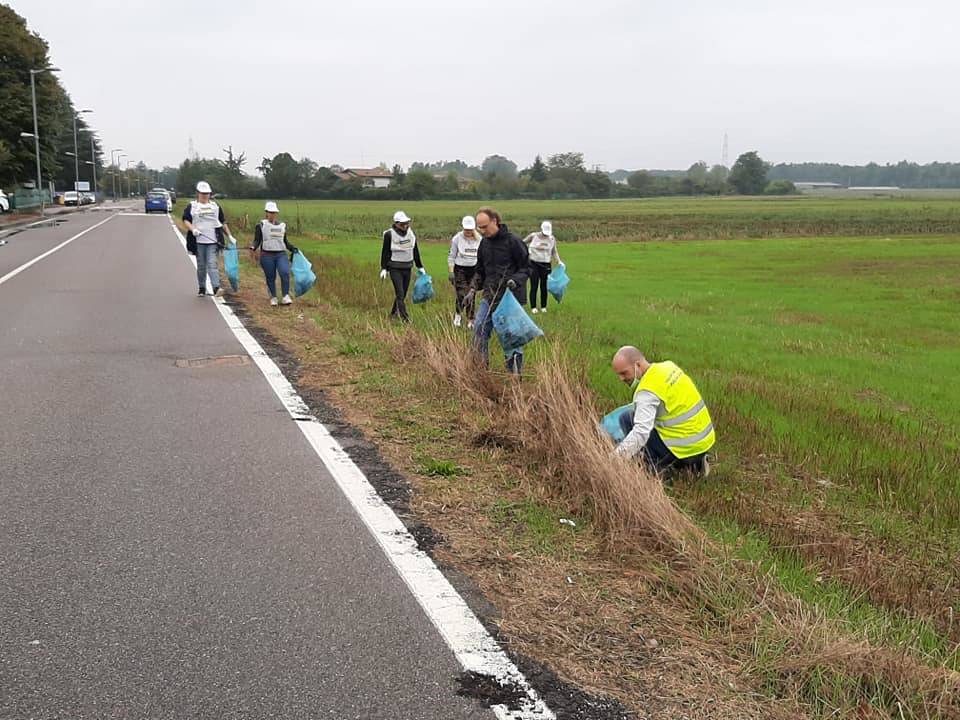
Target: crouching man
(670, 427)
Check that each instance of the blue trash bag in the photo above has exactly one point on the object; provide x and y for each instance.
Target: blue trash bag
(557, 282)
(231, 264)
(514, 327)
(303, 275)
(610, 423)
(422, 289)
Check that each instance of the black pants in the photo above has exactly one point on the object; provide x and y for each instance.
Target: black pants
(401, 283)
(462, 275)
(657, 455)
(538, 279)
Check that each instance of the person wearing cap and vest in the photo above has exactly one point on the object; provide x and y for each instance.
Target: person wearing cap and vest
(542, 247)
(462, 265)
(398, 256)
(205, 222)
(270, 239)
(670, 426)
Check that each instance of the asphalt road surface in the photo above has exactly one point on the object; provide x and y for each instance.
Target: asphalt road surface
(170, 545)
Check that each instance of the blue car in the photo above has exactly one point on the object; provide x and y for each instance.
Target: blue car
(155, 201)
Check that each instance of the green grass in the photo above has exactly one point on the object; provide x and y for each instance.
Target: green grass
(645, 219)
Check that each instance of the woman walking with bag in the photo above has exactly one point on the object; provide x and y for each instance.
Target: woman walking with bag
(543, 249)
(270, 238)
(397, 257)
(205, 221)
(462, 264)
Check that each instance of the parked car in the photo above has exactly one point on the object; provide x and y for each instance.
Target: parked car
(71, 197)
(87, 198)
(156, 201)
(4, 202)
(173, 195)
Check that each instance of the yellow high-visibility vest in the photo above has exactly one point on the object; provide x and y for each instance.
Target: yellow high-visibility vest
(683, 421)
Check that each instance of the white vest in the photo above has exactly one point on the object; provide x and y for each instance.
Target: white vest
(205, 221)
(401, 247)
(541, 247)
(272, 236)
(467, 249)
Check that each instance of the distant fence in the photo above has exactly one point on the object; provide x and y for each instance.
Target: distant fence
(23, 199)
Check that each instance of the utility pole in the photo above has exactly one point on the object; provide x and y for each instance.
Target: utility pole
(36, 127)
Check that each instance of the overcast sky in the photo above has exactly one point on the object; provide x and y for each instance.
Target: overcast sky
(641, 83)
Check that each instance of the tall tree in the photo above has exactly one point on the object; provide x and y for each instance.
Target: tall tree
(500, 167)
(538, 171)
(21, 51)
(749, 174)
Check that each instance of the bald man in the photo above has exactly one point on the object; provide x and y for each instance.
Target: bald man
(670, 426)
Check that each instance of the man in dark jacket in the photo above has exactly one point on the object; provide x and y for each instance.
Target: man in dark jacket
(502, 265)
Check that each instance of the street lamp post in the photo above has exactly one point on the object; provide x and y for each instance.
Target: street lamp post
(76, 154)
(36, 127)
(93, 159)
(120, 157)
(114, 175)
(128, 176)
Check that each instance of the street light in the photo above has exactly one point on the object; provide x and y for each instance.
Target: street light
(128, 176)
(36, 126)
(76, 157)
(114, 174)
(93, 157)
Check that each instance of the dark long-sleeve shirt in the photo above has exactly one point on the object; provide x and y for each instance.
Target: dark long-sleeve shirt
(501, 258)
(385, 254)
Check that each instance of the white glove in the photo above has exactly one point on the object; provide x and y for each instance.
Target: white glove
(383, 274)
(422, 271)
(562, 264)
(196, 231)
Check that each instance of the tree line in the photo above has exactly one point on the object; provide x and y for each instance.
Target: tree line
(563, 175)
(902, 174)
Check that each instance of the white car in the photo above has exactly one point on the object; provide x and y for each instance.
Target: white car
(4, 202)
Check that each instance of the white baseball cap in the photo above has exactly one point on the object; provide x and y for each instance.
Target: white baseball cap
(203, 187)
(469, 222)
(400, 217)
(271, 207)
(546, 227)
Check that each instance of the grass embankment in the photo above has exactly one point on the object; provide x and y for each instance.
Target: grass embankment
(822, 360)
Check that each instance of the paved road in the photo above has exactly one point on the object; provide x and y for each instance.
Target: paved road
(170, 545)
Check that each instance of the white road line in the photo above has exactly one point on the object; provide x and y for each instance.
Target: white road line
(473, 646)
(51, 251)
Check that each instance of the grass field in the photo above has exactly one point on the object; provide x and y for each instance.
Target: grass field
(827, 360)
(629, 220)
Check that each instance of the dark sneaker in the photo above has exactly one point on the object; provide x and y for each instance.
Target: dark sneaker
(216, 291)
(201, 292)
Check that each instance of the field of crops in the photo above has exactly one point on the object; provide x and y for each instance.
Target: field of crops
(626, 220)
(827, 360)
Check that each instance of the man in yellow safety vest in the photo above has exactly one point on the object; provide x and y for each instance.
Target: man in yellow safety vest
(670, 425)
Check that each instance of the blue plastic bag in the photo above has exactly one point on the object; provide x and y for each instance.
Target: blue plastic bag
(231, 264)
(610, 423)
(514, 327)
(422, 289)
(557, 282)
(303, 275)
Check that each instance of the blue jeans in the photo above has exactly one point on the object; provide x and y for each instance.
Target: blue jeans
(207, 264)
(482, 328)
(273, 263)
(657, 455)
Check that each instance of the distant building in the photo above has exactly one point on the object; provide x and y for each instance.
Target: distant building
(874, 188)
(370, 177)
(818, 186)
